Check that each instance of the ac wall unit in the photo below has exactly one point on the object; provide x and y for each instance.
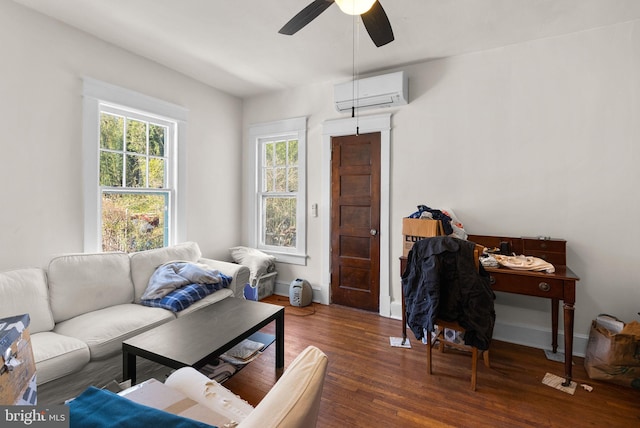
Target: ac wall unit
(387, 90)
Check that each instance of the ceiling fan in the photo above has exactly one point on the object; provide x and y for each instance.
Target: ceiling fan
(373, 17)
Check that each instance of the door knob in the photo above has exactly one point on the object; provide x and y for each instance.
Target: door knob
(373, 232)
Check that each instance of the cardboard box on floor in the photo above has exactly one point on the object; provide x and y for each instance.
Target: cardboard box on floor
(18, 371)
(416, 229)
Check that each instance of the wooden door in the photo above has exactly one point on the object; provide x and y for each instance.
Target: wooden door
(355, 221)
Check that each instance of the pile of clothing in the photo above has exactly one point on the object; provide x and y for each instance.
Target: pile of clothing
(520, 262)
(177, 285)
(450, 224)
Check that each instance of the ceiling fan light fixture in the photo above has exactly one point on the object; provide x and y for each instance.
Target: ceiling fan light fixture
(355, 7)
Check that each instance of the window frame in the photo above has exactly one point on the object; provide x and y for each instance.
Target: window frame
(100, 96)
(259, 134)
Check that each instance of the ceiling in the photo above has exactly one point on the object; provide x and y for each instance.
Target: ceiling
(234, 45)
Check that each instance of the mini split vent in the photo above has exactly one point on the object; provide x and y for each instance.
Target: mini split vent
(387, 90)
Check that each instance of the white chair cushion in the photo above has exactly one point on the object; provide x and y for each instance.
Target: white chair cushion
(259, 263)
(81, 283)
(57, 356)
(24, 291)
(144, 263)
(105, 329)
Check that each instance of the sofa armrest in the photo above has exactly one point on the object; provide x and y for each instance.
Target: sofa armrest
(294, 401)
(239, 274)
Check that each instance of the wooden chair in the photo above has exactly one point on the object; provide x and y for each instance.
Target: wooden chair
(440, 336)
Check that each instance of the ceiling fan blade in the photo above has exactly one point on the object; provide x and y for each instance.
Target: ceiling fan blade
(377, 24)
(305, 16)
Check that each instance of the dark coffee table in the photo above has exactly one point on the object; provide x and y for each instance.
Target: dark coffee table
(195, 339)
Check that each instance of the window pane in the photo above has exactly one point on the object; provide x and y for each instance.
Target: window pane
(293, 152)
(133, 222)
(281, 180)
(136, 136)
(280, 221)
(293, 180)
(156, 173)
(111, 132)
(267, 185)
(281, 153)
(268, 154)
(110, 169)
(136, 171)
(156, 139)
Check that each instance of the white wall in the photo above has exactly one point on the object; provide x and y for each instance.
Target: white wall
(313, 102)
(539, 138)
(42, 63)
(532, 139)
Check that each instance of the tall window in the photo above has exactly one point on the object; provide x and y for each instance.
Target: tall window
(134, 180)
(280, 200)
(279, 193)
(131, 157)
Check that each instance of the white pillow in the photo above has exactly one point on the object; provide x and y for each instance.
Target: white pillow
(259, 263)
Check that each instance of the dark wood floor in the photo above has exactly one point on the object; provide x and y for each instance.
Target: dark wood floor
(371, 384)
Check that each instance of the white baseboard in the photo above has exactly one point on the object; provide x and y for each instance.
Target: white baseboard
(521, 334)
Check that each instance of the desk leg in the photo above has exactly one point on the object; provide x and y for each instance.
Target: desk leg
(404, 321)
(568, 342)
(280, 341)
(554, 324)
(128, 367)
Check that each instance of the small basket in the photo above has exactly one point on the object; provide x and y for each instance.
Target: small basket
(264, 287)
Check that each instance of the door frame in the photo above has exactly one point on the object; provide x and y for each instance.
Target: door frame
(339, 127)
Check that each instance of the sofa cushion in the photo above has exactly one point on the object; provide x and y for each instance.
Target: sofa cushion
(144, 263)
(57, 356)
(24, 291)
(104, 330)
(81, 283)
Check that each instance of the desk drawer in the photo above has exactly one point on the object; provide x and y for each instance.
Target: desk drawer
(528, 285)
(552, 250)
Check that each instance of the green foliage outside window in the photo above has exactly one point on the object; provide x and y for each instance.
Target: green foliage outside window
(132, 156)
(279, 192)
(133, 222)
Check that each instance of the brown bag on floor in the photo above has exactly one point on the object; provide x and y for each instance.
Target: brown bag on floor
(614, 357)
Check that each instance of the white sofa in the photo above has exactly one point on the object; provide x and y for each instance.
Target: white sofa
(82, 306)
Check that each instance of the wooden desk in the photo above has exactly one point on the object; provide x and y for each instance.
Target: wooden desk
(557, 286)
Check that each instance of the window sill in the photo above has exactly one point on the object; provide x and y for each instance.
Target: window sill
(289, 258)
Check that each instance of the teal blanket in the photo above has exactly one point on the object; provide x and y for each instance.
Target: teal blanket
(97, 408)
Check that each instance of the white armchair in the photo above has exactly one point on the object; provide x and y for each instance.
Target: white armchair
(293, 402)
